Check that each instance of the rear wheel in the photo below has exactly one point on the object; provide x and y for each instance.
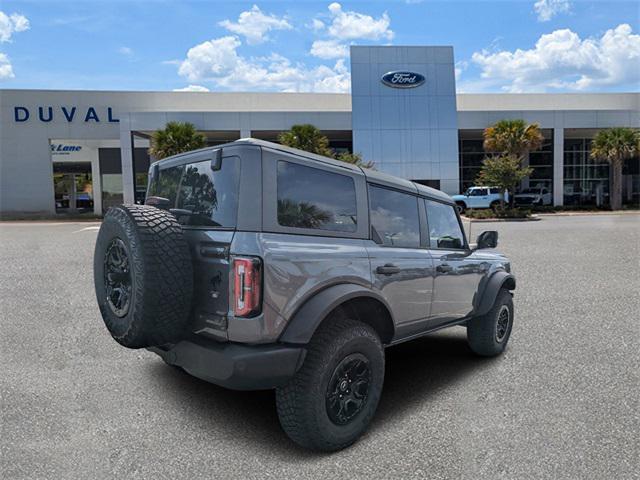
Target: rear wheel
(488, 334)
(495, 205)
(333, 397)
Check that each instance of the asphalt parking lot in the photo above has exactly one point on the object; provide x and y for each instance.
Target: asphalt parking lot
(561, 403)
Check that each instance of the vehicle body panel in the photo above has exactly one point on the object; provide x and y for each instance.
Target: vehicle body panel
(306, 271)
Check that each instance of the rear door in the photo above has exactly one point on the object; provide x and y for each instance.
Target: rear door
(401, 271)
(205, 202)
(457, 271)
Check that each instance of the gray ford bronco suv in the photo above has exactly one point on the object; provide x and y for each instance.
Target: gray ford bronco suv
(257, 266)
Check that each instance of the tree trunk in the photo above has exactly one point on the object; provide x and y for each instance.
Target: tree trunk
(615, 196)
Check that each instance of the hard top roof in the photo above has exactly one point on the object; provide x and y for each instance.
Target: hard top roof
(371, 175)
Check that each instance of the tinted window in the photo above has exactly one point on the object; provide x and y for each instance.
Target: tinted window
(200, 196)
(394, 217)
(444, 228)
(478, 192)
(312, 198)
(495, 191)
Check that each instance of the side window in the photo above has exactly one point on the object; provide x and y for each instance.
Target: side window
(444, 228)
(317, 199)
(394, 217)
(495, 191)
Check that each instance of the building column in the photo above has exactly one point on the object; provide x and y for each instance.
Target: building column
(245, 133)
(558, 167)
(126, 160)
(96, 181)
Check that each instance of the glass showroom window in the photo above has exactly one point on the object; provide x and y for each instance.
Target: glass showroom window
(472, 154)
(586, 181)
(542, 163)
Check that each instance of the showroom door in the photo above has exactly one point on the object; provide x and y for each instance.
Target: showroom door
(73, 187)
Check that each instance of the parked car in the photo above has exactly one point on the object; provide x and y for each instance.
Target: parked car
(257, 266)
(533, 196)
(480, 197)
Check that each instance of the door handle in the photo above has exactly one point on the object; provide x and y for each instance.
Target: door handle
(444, 268)
(388, 269)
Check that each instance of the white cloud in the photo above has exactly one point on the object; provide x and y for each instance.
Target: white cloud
(6, 70)
(316, 25)
(10, 24)
(126, 51)
(460, 67)
(217, 61)
(254, 25)
(192, 88)
(561, 60)
(352, 25)
(329, 49)
(547, 9)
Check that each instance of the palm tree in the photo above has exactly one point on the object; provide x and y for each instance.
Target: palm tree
(355, 159)
(308, 138)
(513, 137)
(176, 137)
(615, 145)
(513, 140)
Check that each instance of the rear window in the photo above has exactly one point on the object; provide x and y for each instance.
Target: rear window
(316, 199)
(200, 196)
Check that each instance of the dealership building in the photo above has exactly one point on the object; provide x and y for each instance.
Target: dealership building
(82, 151)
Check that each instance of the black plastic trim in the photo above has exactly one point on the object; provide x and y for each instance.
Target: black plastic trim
(235, 366)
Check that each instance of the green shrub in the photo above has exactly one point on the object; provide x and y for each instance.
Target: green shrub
(499, 213)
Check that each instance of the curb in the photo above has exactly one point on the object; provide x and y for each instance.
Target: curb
(494, 220)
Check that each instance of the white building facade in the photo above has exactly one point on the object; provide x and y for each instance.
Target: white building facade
(82, 151)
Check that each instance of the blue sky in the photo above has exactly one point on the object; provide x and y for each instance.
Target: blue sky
(499, 46)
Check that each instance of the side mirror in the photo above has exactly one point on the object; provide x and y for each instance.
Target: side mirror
(158, 202)
(216, 161)
(487, 239)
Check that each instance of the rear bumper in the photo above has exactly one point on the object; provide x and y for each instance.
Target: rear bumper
(235, 366)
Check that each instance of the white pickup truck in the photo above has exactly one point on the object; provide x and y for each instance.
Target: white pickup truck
(480, 197)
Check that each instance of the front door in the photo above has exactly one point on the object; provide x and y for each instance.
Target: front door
(457, 271)
(401, 271)
(73, 187)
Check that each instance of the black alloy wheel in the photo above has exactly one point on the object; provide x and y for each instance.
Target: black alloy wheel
(502, 324)
(117, 278)
(348, 389)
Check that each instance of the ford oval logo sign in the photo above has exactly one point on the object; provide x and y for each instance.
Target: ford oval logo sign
(402, 79)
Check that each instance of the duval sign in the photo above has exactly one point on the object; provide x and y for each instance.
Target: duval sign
(402, 79)
(48, 114)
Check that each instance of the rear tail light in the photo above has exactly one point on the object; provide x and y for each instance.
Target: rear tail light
(247, 283)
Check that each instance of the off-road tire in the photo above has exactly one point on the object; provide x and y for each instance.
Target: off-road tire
(301, 403)
(461, 206)
(161, 275)
(495, 205)
(482, 331)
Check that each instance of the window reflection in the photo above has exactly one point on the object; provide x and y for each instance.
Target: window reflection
(316, 199)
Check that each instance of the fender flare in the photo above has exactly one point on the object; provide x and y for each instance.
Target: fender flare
(307, 318)
(495, 282)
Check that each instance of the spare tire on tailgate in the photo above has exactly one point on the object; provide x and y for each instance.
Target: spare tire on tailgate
(143, 276)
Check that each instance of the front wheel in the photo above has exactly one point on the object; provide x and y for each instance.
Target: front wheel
(331, 400)
(488, 334)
